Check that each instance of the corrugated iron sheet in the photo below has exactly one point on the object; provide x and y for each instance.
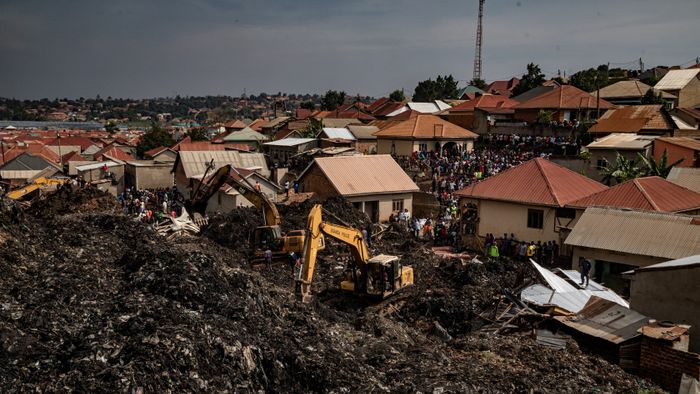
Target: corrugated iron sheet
(622, 141)
(426, 127)
(677, 79)
(686, 177)
(196, 162)
(564, 97)
(537, 181)
(362, 175)
(656, 234)
(633, 119)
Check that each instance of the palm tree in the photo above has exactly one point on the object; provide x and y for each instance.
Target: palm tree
(622, 170)
(660, 168)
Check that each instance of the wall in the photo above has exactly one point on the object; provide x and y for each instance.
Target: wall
(689, 96)
(149, 176)
(498, 217)
(611, 156)
(368, 147)
(676, 152)
(99, 174)
(385, 203)
(403, 147)
(65, 149)
(669, 295)
(613, 281)
(665, 365)
(462, 119)
(315, 181)
(226, 202)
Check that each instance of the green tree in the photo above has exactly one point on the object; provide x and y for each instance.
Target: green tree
(622, 170)
(332, 100)
(198, 134)
(661, 168)
(442, 88)
(544, 117)
(154, 138)
(591, 79)
(397, 95)
(479, 83)
(531, 80)
(313, 129)
(651, 98)
(307, 105)
(111, 127)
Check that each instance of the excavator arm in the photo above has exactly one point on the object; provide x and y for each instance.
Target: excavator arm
(315, 229)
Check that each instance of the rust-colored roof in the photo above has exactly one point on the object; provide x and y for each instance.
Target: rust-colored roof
(302, 113)
(504, 88)
(694, 113)
(426, 127)
(82, 142)
(238, 147)
(257, 124)
(667, 333)
(72, 156)
(485, 101)
(564, 97)
(384, 124)
(628, 89)
(537, 181)
(182, 141)
(633, 119)
(235, 124)
(378, 103)
(365, 174)
(153, 152)
(650, 194)
(388, 108)
(113, 152)
(199, 146)
(682, 141)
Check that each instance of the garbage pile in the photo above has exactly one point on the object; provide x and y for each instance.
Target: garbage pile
(91, 300)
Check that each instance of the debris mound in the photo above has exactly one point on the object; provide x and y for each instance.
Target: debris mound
(234, 229)
(75, 200)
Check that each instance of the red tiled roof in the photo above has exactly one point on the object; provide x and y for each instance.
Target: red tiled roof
(485, 101)
(650, 194)
(113, 152)
(632, 119)
(564, 97)
(426, 126)
(537, 181)
(504, 88)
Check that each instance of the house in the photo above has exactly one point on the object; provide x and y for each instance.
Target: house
(111, 152)
(365, 140)
(464, 114)
(665, 357)
(337, 134)
(24, 167)
(534, 92)
(107, 175)
(467, 93)
(678, 148)
(190, 166)
(565, 103)
(619, 240)
(503, 88)
(686, 177)
(375, 184)
(637, 119)
(248, 137)
(229, 198)
(669, 291)
(629, 93)
(283, 150)
(234, 125)
(684, 84)
(161, 154)
(528, 200)
(604, 150)
(434, 107)
(148, 174)
(424, 133)
(651, 193)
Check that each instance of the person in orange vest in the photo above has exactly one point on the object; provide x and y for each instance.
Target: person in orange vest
(257, 186)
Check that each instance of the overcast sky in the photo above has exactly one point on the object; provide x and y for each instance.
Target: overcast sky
(148, 48)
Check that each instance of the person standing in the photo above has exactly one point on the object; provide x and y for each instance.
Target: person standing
(585, 266)
(292, 261)
(286, 188)
(268, 259)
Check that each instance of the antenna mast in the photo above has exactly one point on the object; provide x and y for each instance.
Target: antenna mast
(479, 34)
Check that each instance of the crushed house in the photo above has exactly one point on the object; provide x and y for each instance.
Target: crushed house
(375, 184)
(424, 133)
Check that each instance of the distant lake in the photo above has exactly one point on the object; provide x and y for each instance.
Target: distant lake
(25, 124)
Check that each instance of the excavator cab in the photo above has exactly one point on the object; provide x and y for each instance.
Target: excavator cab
(268, 237)
(384, 275)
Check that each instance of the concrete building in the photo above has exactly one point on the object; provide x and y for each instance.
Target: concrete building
(424, 133)
(375, 184)
(107, 175)
(604, 150)
(228, 198)
(670, 291)
(565, 103)
(465, 114)
(161, 155)
(148, 174)
(684, 84)
(366, 141)
(285, 148)
(619, 240)
(192, 165)
(529, 200)
(678, 148)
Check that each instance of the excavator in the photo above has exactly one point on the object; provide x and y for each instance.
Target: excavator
(376, 277)
(268, 236)
(36, 186)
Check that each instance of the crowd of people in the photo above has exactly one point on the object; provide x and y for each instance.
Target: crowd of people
(151, 205)
(545, 253)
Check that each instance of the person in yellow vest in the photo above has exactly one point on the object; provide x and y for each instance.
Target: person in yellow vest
(531, 250)
(493, 250)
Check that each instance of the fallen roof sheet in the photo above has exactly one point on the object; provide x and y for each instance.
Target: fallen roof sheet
(607, 320)
(563, 293)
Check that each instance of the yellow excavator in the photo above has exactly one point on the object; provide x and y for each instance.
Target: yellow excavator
(376, 277)
(36, 186)
(268, 236)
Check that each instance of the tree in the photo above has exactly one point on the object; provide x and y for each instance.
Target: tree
(531, 80)
(654, 168)
(591, 79)
(442, 88)
(332, 100)
(397, 95)
(313, 129)
(111, 127)
(651, 98)
(622, 170)
(198, 134)
(544, 117)
(154, 138)
(307, 105)
(479, 83)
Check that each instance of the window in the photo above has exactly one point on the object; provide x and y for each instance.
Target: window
(568, 213)
(423, 147)
(602, 163)
(397, 205)
(535, 218)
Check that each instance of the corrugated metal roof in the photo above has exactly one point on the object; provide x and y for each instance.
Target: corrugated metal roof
(537, 181)
(95, 166)
(338, 133)
(426, 127)
(290, 142)
(687, 177)
(622, 141)
(677, 79)
(607, 320)
(362, 175)
(196, 162)
(564, 97)
(627, 89)
(650, 194)
(339, 122)
(633, 119)
(246, 134)
(658, 331)
(428, 108)
(684, 263)
(682, 141)
(13, 174)
(655, 234)
(362, 132)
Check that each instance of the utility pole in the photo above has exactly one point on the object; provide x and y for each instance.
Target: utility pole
(641, 65)
(479, 39)
(60, 155)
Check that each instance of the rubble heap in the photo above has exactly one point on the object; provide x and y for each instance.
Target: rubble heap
(96, 301)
